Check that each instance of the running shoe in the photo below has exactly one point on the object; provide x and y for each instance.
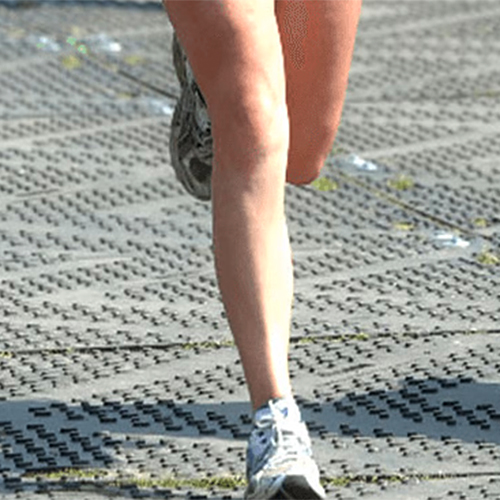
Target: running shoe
(191, 144)
(279, 457)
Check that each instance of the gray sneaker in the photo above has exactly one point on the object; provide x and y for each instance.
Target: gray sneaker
(279, 456)
(191, 144)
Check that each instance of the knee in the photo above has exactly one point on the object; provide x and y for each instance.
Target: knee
(255, 111)
(305, 165)
(250, 128)
(304, 177)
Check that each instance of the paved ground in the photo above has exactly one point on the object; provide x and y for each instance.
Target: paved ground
(118, 374)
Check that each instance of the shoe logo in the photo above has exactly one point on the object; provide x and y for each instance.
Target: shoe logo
(284, 412)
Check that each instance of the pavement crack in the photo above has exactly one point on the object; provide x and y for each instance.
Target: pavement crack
(405, 206)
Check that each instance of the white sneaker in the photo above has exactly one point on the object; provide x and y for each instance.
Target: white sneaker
(279, 456)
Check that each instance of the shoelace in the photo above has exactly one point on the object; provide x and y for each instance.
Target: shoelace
(286, 437)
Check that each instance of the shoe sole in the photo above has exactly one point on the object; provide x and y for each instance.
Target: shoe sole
(199, 189)
(196, 189)
(178, 56)
(293, 487)
(296, 488)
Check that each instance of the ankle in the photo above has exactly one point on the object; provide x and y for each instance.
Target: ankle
(259, 402)
(285, 399)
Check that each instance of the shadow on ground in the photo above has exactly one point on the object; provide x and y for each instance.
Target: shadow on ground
(42, 436)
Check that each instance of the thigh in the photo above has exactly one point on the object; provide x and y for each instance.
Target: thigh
(234, 49)
(318, 41)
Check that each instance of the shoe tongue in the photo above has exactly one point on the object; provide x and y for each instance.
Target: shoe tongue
(279, 408)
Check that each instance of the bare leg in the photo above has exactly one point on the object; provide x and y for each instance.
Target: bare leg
(254, 268)
(237, 56)
(235, 52)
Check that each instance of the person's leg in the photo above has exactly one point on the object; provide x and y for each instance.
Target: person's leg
(318, 41)
(235, 52)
